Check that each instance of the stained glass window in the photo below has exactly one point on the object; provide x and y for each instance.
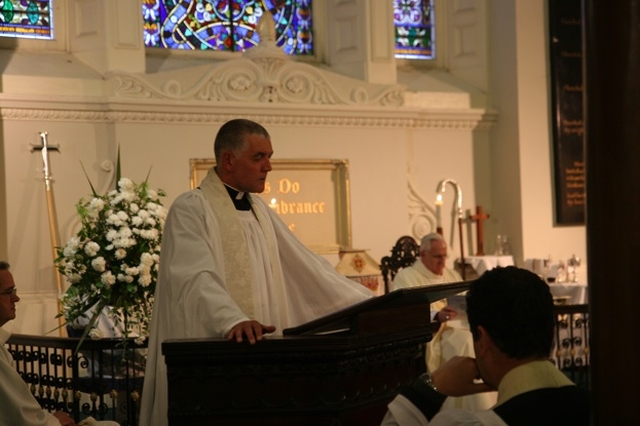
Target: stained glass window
(226, 25)
(26, 19)
(414, 29)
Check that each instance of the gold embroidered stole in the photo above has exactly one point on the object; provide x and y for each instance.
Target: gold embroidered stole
(237, 268)
(277, 290)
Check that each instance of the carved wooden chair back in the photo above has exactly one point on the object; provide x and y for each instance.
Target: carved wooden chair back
(404, 253)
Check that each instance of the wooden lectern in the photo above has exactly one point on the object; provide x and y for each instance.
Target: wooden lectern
(342, 369)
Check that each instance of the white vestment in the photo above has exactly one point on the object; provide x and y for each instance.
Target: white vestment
(452, 339)
(289, 284)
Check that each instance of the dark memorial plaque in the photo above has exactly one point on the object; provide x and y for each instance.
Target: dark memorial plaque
(567, 94)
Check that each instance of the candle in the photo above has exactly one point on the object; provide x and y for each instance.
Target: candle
(274, 205)
(438, 214)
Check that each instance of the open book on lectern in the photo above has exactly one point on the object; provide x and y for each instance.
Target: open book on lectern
(399, 310)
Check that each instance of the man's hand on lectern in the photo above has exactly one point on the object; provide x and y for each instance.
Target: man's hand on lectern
(252, 329)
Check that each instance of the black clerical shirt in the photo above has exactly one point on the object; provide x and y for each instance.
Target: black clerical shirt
(240, 199)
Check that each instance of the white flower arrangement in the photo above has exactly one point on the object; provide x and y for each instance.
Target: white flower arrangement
(113, 260)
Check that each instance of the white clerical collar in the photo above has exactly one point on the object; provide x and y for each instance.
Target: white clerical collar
(238, 194)
(240, 199)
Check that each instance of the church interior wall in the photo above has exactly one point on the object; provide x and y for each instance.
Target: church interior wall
(501, 158)
(521, 147)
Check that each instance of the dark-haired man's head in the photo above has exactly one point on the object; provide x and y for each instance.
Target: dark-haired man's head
(232, 136)
(243, 155)
(515, 307)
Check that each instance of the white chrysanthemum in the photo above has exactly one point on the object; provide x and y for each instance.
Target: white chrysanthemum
(143, 214)
(144, 268)
(150, 221)
(137, 221)
(123, 216)
(108, 279)
(111, 234)
(126, 185)
(134, 208)
(125, 278)
(116, 200)
(149, 234)
(91, 248)
(156, 210)
(124, 232)
(132, 271)
(97, 204)
(120, 253)
(128, 196)
(114, 219)
(145, 280)
(71, 247)
(99, 264)
(124, 242)
(146, 259)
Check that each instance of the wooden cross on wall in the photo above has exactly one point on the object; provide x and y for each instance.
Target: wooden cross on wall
(478, 218)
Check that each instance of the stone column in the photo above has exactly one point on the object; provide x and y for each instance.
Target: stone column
(107, 34)
(361, 40)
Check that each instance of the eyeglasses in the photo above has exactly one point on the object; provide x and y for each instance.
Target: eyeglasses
(11, 292)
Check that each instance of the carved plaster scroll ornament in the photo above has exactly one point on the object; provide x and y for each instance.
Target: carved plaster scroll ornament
(421, 214)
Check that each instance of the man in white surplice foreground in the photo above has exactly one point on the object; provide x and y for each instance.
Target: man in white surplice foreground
(453, 338)
(230, 267)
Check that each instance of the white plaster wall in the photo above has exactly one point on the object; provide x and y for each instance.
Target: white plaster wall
(445, 154)
(521, 176)
(540, 237)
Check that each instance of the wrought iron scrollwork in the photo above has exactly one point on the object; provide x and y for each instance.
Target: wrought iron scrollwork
(99, 380)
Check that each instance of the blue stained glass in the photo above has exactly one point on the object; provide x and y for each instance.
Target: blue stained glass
(26, 19)
(414, 29)
(226, 25)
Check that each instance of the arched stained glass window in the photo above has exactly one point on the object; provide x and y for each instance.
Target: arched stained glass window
(414, 29)
(226, 25)
(26, 19)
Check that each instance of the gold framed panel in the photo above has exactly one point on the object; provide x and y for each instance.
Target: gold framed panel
(310, 196)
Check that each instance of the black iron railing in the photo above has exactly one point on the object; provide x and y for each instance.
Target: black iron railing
(571, 346)
(102, 379)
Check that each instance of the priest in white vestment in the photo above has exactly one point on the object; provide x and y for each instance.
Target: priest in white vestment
(453, 338)
(230, 267)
